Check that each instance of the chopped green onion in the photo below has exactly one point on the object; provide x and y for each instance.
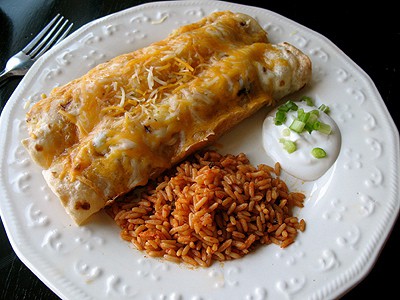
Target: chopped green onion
(289, 105)
(305, 121)
(280, 117)
(308, 100)
(304, 116)
(313, 118)
(316, 125)
(300, 113)
(324, 108)
(286, 132)
(297, 126)
(325, 128)
(318, 152)
(288, 145)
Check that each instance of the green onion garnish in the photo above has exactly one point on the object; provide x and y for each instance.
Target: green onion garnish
(325, 128)
(305, 121)
(313, 118)
(280, 117)
(316, 125)
(289, 105)
(288, 145)
(297, 125)
(318, 152)
(286, 132)
(308, 100)
(303, 116)
(324, 108)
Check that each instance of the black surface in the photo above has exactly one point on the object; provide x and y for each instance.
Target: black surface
(368, 34)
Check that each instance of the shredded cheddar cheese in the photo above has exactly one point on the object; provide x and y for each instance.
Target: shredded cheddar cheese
(132, 117)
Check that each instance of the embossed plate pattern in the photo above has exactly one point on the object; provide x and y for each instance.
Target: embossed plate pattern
(347, 218)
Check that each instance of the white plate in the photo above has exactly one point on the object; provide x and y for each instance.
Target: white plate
(347, 218)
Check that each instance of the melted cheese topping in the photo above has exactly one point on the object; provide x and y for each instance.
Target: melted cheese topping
(162, 89)
(151, 77)
(141, 78)
(129, 119)
(178, 101)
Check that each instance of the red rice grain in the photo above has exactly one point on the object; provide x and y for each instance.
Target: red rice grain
(209, 208)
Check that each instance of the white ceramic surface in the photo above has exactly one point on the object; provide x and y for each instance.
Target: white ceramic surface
(347, 217)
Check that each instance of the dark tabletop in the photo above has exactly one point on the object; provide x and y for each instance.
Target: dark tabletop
(368, 34)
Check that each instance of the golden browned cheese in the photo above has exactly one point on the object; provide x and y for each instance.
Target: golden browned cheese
(132, 118)
(71, 112)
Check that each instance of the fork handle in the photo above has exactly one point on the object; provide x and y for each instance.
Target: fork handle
(4, 75)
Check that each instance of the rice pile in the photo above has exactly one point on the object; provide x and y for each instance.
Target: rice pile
(210, 207)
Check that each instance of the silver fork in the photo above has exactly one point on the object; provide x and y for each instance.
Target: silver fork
(50, 35)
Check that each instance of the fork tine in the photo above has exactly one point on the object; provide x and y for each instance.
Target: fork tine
(50, 35)
(40, 35)
(53, 41)
(64, 34)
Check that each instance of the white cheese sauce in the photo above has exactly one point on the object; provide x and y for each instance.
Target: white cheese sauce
(301, 163)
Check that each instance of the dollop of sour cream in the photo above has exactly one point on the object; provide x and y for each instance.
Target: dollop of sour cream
(301, 163)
